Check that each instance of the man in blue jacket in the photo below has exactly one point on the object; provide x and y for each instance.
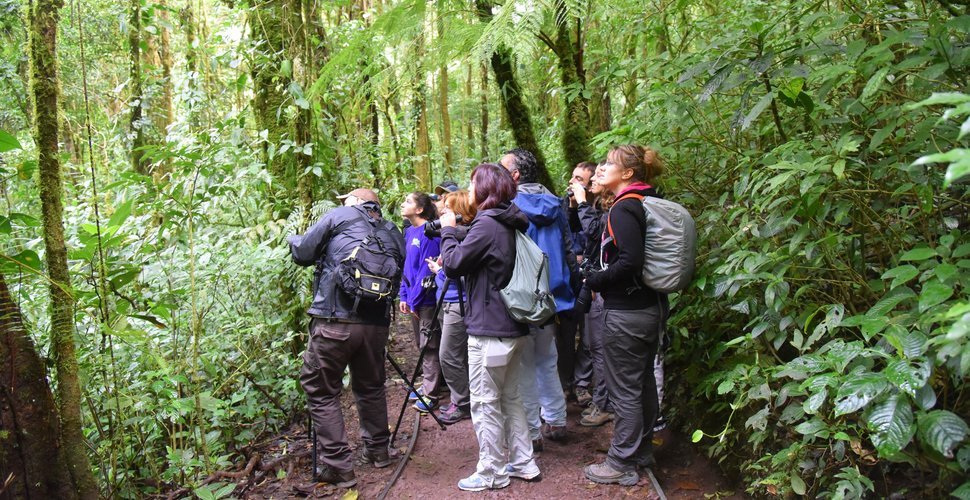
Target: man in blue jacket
(549, 229)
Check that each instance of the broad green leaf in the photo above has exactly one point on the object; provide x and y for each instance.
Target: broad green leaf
(815, 402)
(8, 142)
(963, 492)
(758, 421)
(888, 303)
(933, 293)
(798, 485)
(121, 213)
(758, 108)
(906, 377)
(900, 275)
(891, 424)
(921, 253)
(942, 430)
(811, 428)
(697, 436)
(22, 262)
(874, 83)
(858, 391)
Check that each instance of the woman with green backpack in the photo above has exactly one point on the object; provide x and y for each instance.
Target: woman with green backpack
(485, 257)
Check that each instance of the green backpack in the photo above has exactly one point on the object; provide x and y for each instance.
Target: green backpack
(527, 297)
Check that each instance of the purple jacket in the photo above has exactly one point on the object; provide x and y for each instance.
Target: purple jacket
(417, 248)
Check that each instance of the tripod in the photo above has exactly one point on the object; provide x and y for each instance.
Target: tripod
(409, 383)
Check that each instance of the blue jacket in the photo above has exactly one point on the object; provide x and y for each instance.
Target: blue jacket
(549, 228)
(418, 247)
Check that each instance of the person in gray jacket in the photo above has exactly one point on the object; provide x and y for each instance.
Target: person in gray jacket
(346, 332)
(486, 259)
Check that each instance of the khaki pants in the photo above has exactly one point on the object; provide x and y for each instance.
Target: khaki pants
(497, 412)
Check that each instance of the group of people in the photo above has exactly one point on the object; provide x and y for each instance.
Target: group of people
(512, 379)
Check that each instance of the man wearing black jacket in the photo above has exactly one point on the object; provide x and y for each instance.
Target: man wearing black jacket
(344, 331)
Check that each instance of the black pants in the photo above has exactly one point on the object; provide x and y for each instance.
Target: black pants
(566, 348)
(332, 347)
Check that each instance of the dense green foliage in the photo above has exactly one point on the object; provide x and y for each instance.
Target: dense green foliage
(825, 346)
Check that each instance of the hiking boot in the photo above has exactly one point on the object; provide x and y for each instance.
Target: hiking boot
(589, 408)
(532, 474)
(595, 418)
(660, 424)
(475, 482)
(603, 473)
(426, 404)
(453, 414)
(379, 458)
(583, 397)
(340, 479)
(554, 432)
(537, 445)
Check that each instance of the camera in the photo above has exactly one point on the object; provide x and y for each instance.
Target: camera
(432, 228)
(570, 193)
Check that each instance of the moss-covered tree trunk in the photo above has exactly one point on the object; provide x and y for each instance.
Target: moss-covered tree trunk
(517, 112)
(445, 129)
(136, 122)
(483, 132)
(422, 142)
(30, 454)
(266, 22)
(44, 87)
(569, 51)
(187, 20)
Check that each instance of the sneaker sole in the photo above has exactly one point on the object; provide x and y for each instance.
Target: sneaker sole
(586, 423)
(624, 480)
(527, 477)
(483, 488)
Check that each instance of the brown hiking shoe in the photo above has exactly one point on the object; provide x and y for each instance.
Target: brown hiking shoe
(595, 418)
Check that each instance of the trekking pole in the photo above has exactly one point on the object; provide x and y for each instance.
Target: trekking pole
(424, 350)
(312, 435)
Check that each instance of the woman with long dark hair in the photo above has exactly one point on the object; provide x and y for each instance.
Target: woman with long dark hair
(486, 258)
(634, 315)
(417, 293)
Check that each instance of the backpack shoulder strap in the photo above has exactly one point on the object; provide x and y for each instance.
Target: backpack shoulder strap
(609, 226)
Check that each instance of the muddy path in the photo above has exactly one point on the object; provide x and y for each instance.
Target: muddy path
(442, 457)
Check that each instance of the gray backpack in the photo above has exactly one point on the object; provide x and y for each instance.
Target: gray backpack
(670, 245)
(527, 297)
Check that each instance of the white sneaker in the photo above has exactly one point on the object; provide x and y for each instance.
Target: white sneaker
(529, 474)
(475, 482)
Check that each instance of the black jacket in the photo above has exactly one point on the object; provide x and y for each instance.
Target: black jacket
(620, 283)
(591, 221)
(325, 244)
(486, 258)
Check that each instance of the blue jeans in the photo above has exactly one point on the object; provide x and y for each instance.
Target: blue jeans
(539, 383)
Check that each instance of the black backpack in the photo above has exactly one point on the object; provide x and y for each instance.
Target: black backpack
(371, 271)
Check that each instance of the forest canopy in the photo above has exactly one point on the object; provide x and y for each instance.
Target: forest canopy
(154, 154)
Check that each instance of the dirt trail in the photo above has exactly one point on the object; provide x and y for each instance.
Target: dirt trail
(442, 457)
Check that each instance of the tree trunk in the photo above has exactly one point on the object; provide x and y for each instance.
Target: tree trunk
(575, 134)
(266, 20)
(167, 113)
(445, 138)
(29, 451)
(44, 86)
(136, 122)
(510, 92)
(187, 19)
(484, 113)
(422, 143)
